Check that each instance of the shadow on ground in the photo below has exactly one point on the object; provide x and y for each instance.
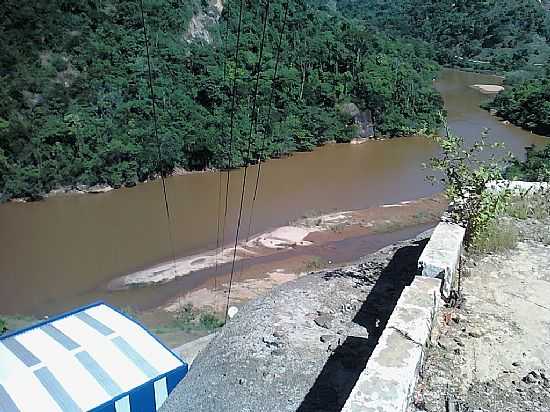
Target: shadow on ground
(339, 375)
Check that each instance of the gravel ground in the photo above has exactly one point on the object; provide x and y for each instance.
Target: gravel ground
(303, 346)
(493, 352)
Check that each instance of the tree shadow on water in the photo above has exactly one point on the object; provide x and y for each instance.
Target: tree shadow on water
(341, 371)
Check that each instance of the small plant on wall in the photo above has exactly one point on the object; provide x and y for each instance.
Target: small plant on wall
(465, 171)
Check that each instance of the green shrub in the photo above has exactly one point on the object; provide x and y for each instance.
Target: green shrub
(535, 168)
(3, 327)
(465, 174)
(188, 318)
(210, 321)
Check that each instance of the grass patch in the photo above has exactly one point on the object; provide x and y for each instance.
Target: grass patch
(14, 322)
(189, 318)
(314, 264)
(534, 206)
(495, 237)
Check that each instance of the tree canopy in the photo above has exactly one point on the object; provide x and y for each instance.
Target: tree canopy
(76, 106)
(526, 104)
(481, 34)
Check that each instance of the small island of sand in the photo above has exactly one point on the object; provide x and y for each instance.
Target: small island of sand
(488, 88)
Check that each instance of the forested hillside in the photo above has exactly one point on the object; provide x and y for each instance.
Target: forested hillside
(526, 104)
(76, 107)
(481, 34)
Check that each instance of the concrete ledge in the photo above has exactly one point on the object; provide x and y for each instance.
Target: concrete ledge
(189, 351)
(517, 186)
(388, 381)
(441, 256)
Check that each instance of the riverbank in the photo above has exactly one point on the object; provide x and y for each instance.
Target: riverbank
(102, 188)
(311, 230)
(278, 257)
(65, 251)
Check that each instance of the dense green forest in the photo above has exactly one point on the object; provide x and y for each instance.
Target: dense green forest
(526, 104)
(502, 35)
(76, 108)
(536, 167)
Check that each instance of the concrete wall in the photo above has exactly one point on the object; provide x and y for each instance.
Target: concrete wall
(441, 256)
(388, 381)
(518, 186)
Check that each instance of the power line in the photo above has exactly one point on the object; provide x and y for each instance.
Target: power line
(161, 163)
(273, 79)
(233, 100)
(253, 122)
(220, 227)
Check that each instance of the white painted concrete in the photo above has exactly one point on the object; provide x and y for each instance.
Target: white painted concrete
(388, 381)
(517, 186)
(441, 256)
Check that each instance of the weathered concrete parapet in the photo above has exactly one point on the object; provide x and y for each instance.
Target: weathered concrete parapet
(388, 381)
(517, 186)
(441, 256)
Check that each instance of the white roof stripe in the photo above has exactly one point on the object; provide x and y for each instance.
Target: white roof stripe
(72, 358)
(161, 392)
(27, 392)
(122, 371)
(137, 337)
(76, 380)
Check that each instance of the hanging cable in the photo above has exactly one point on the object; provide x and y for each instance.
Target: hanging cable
(233, 100)
(262, 147)
(161, 163)
(253, 124)
(220, 227)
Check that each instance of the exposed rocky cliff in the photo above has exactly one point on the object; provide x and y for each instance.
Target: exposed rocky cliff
(202, 21)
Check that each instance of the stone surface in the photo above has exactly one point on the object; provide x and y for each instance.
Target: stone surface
(303, 374)
(504, 331)
(190, 350)
(441, 256)
(388, 381)
(324, 321)
(389, 378)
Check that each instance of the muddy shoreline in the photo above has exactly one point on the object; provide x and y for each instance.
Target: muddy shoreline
(361, 233)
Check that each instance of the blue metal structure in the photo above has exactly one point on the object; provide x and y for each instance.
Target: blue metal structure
(94, 358)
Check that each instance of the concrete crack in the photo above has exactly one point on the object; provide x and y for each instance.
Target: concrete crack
(406, 336)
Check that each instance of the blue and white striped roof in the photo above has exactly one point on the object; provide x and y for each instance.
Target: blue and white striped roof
(84, 360)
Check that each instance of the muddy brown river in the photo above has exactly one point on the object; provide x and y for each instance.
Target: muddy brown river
(63, 251)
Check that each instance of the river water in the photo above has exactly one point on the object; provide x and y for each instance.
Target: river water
(63, 251)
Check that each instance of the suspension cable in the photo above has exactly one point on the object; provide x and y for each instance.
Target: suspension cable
(231, 136)
(159, 151)
(220, 227)
(233, 100)
(263, 143)
(251, 130)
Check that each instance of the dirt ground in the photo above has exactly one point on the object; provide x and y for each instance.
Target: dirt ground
(493, 350)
